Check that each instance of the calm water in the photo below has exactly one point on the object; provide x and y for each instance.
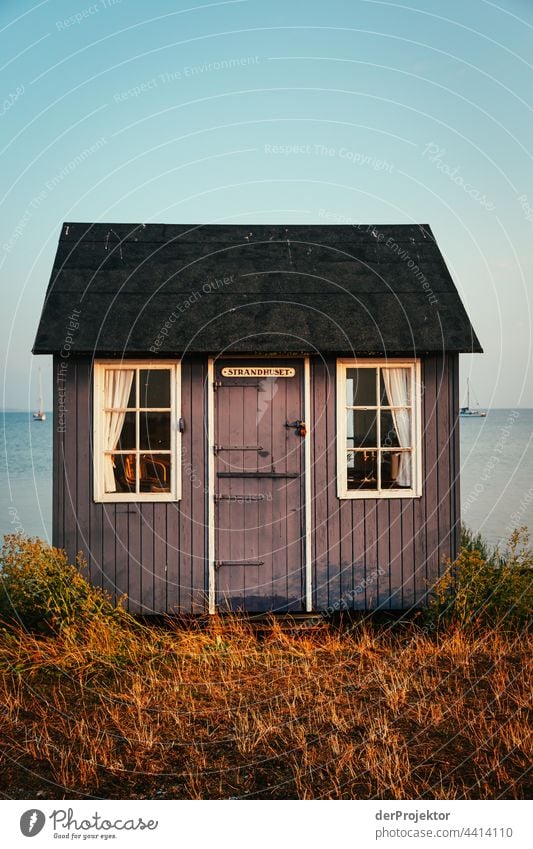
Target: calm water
(497, 472)
(26, 475)
(496, 475)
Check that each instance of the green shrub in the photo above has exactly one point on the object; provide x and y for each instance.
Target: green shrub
(42, 591)
(484, 587)
(471, 541)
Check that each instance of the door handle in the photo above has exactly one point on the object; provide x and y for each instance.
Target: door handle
(299, 426)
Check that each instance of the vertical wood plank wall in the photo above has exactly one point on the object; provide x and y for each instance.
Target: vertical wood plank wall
(372, 553)
(153, 552)
(366, 553)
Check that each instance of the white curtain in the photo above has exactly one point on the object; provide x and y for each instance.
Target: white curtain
(397, 383)
(117, 389)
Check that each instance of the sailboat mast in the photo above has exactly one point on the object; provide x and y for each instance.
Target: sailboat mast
(40, 391)
(40, 415)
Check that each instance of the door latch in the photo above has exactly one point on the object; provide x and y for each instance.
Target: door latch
(299, 426)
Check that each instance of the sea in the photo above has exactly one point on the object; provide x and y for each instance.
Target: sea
(496, 474)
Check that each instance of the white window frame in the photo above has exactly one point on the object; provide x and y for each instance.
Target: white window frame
(416, 429)
(99, 494)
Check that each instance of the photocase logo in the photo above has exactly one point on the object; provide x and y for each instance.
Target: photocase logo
(32, 822)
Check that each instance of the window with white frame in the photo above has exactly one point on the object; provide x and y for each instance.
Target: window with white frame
(378, 429)
(136, 432)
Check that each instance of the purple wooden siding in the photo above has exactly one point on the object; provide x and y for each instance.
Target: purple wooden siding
(156, 552)
(153, 552)
(353, 540)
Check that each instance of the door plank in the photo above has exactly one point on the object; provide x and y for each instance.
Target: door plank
(248, 529)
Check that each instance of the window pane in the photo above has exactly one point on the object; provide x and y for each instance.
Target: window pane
(132, 400)
(389, 437)
(396, 470)
(155, 387)
(396, 429)
(120, 473)
(400, 389)
(361, 387)
(119, 388)
(155, 431)
(155, 473)
(126, 439)
(119, 431)
(361, 429)
(362, 470)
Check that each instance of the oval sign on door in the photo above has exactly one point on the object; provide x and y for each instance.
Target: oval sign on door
(258, 371)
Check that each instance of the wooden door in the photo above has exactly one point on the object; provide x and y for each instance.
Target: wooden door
(259, 509)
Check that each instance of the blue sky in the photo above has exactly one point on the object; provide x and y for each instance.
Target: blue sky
(360, 111)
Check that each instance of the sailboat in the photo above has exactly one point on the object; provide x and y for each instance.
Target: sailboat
(468, 410)
(40, 415)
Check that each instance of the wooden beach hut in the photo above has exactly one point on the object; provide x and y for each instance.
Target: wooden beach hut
(256, 418)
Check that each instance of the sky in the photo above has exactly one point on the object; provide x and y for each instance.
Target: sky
(350, 111)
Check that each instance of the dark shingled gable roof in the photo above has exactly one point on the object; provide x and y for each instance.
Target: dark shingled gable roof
(167, 289)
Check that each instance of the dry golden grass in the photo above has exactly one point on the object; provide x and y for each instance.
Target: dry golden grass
(219, 712)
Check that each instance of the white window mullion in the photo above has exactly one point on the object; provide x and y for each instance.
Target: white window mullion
(414, 408)
(174, 432)
(346, 407)
(137, 431)
(173, 492)
(415, 447)
(378, 427)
